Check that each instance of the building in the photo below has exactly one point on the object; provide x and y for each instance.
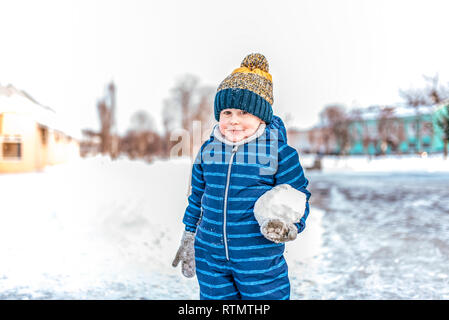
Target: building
(376, 130)
(387, 130)
(31, 135)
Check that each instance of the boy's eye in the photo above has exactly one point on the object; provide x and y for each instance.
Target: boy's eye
(228, 112)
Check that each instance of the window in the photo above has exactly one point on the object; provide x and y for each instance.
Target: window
(12, 150)
(44, 134)
(412, 129)
(427, 129)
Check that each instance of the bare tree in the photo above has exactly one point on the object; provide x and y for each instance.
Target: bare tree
(355, 117)
(443, 123)
(387, 129)
(170, 118)
(433, 93)
(89, 145)
(414, 97)
(187, 103)
(183, 95)
(142, 121)
(203, 113)
(142, 139)
(105, 126)
(335, 119)
(204, 107)
(106, 110)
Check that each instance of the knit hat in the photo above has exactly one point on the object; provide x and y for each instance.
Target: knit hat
(248, 88)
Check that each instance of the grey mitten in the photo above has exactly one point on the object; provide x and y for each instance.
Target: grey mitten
(186, 254)
(277, 231)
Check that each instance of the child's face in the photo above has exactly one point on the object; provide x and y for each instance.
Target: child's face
(236, 124)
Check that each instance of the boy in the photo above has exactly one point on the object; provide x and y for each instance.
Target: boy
(235, 250)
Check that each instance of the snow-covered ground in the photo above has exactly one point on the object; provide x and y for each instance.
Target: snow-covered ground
(386, 235)
(102, 229)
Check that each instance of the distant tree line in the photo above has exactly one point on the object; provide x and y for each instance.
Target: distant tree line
(187, 102)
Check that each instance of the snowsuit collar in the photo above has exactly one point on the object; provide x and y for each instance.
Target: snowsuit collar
(217, 134)
(276, 124)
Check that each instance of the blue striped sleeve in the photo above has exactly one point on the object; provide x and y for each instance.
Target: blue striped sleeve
(193, 211)
(291, 172)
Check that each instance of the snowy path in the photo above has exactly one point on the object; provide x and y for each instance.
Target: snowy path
(386, 235)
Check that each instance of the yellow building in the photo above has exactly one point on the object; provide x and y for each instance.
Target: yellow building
(31, 136)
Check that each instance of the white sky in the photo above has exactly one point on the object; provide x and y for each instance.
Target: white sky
(356, 52)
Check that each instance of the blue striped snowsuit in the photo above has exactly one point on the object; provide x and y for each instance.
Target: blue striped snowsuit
(233, 259)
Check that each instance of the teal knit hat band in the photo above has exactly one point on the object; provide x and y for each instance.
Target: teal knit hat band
(242, 99)
(248, 88)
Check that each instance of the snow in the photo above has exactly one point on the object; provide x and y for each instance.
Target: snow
(386, 236)
(392, 163)
(102, 229)
(283, 203)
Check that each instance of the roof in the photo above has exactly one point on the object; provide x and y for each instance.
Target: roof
(398, 111)
(19, 101)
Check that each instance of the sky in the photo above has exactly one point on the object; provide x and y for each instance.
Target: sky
(353, 52)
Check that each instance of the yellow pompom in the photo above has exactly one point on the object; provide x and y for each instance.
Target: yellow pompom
(255, 61)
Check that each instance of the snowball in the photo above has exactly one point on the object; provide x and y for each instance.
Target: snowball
(283, 203)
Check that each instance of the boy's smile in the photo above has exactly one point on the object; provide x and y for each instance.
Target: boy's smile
(236, 124)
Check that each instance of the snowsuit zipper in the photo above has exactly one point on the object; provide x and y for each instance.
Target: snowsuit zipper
(234, 150)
